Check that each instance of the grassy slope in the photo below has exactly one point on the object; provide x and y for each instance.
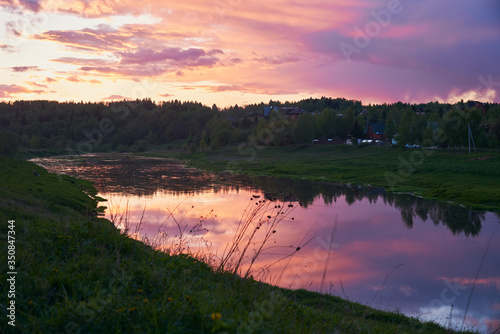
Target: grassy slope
(77, 273)
(443, 175)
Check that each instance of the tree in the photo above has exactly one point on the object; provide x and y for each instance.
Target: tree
(303, 129)
(8, 143)
(357, 130)
(347, 122)
(390, 126)
(33, 141)
(405, 135)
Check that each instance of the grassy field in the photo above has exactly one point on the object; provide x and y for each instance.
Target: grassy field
(472, 180)
(76, 273)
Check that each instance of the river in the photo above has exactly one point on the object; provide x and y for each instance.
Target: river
(395, 252)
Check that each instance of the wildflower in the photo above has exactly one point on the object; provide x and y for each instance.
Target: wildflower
(144, 300)
(30, 302)
(215, 316)
(132, 309)
(169, 299)
(140, 290)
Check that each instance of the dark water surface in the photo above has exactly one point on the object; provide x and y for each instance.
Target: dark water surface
(392, 252)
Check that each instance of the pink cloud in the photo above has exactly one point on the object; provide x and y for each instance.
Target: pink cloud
(9, 91)
(190, 57)
(81, 61)
(115, 98)
(32, 83)
(104, 37)
(73, 78)
(415, 55)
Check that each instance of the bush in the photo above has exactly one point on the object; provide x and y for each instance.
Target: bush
(222, 138)
(8, 143)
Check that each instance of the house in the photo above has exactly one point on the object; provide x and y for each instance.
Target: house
(268, 109)
(233, 120)
(254, 117)
(376, 131)
(292, 113)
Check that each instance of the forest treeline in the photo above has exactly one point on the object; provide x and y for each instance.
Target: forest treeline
(135, 126)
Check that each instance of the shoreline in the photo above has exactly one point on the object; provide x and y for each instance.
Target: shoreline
(453, 184)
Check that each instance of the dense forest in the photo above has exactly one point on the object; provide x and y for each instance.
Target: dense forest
(135, 126)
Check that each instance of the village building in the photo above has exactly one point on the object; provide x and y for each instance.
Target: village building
(376, 131)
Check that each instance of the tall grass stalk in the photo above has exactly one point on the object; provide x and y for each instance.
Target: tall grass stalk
(262, 216)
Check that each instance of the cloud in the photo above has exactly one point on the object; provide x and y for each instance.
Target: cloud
(83, 61)
(73, 78)
(166, 95)
(33, 5)
(428, 38)
(104, 37)
(8, 91)
(115, 98)
(32, 83)
(189, 57)
(255, 88)
(424, 50)
(279, 59)
(24, 68)
(8, 48)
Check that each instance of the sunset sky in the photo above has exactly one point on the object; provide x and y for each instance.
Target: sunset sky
(242, 51)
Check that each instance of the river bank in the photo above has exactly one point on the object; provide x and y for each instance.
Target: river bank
(458, 177)
(77, 272)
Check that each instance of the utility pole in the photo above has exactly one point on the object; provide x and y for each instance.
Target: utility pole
(469, 135)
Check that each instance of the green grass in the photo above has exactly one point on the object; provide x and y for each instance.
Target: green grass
(76, 273)
(451, 176)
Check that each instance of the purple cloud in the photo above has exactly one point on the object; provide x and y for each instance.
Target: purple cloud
(444, 49)
(115, 98)
(18, 69)
(104, 37)
(191, 56)
(33, 5)
(8, 48)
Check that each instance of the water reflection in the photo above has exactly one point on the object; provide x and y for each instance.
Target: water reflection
(359, 235)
